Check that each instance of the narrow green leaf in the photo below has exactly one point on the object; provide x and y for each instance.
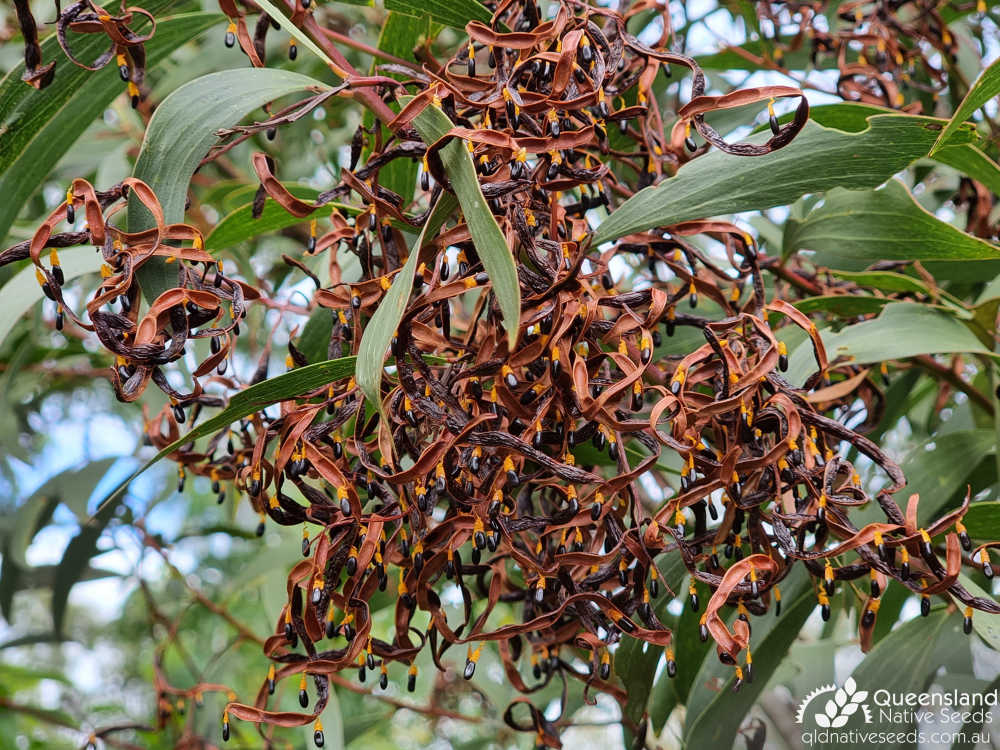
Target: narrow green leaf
(490, 243)
(22, 292)
(983, 521)
(863, 226)
(314, 342)
(72, 487)
(887, 281)
(246, 402)
(819, 159)
(904, 329)
(852, 117)
(843, 305)
(973, 162)
(455, 13)
(10, 583)
(399, 36)
(75, 560)
(382, 326)
(714, 712)
(985, 88)
(937, 469)
(39, 127)
(294, 31)
(181, 132)
(635, 665)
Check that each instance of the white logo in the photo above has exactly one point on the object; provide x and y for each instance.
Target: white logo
(844, 703)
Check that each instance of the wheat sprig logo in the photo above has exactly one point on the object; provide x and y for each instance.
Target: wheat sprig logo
(839, 708)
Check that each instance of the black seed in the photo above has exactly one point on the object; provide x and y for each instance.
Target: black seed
(868, 618)
(225, 731)
(230, 39)
(671, 668)
(925, 606)
(773, 122)
(825, 612)
(967, 625)
(470, 669)
(411, 683)
(690, 144)
(318, 737)
(293, 51)
(303, 698)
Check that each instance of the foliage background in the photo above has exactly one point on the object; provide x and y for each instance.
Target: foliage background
(85, 614)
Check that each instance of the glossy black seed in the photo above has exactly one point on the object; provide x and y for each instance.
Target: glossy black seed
(230, 39)
(783, 362)
(964, 540)
(925, 606)
(671, 668)
(868, 618)
(825, 612)
(967, 625)
(773, 122)
(411, 683)
(689, 144)
(303, 698)
(293, 51)
(225, 731)
(318, 737)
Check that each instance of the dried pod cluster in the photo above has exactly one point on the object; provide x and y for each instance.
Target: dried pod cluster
(514, 474)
